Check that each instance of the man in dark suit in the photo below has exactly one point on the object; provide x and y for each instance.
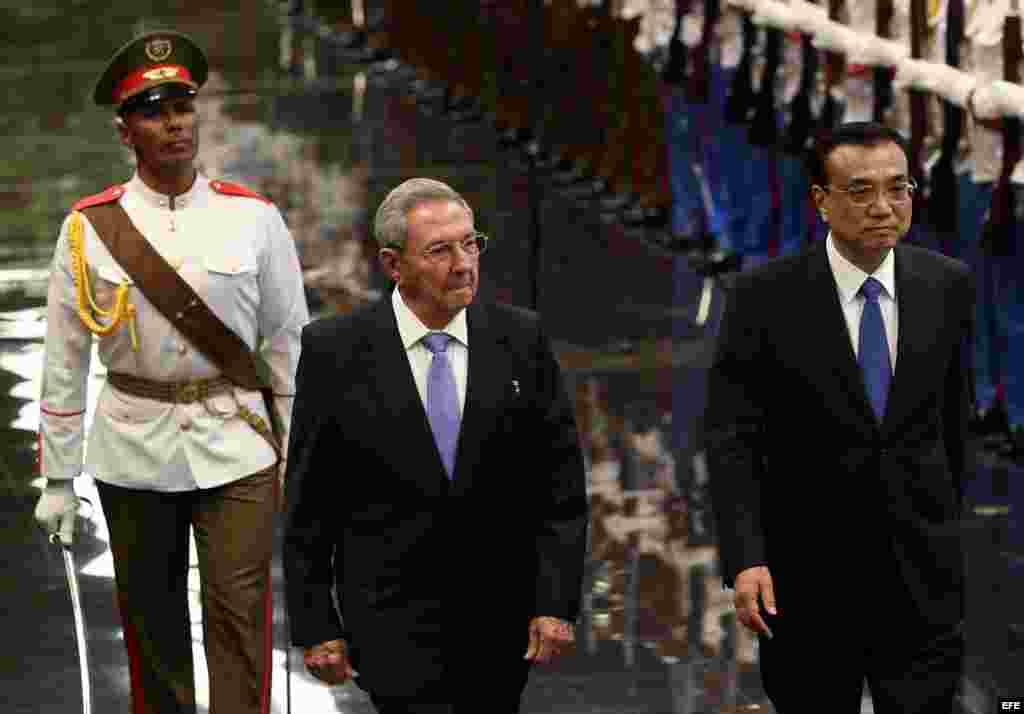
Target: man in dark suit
(835, 437)
(435, 481)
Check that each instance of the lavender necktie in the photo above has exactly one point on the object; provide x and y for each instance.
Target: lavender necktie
(873, 349)
(442, 399)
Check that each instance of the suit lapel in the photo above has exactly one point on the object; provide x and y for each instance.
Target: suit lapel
(829, 323)
(398, 399)
(917, 327)
(488, 350)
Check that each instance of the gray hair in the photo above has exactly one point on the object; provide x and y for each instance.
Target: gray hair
(391, 224)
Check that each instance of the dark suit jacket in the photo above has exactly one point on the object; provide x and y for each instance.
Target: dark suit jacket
(844, 511)
(433, 577)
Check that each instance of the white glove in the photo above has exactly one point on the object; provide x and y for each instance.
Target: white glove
(57, 508)
(775, 14)
(747, 5)
(984, 102)
(807, 17)
(1012, 96)
(883, 53)
(837, 37)
(948, 82)
(997, 99)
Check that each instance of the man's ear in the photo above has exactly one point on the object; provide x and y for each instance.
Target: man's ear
(388, 258)
(818, 195)
(122, 130)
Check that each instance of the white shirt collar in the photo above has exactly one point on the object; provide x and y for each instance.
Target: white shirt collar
(158, 200)
(412, 330)
(850, 278)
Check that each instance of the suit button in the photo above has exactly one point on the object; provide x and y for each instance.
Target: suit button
(883, 453)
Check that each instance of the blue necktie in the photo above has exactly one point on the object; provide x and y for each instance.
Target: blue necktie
(442, 399)
(873, 349)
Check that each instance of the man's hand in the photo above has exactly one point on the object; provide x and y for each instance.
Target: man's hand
(57, 508)
(548, 636)
(328, 662)
(750, 584)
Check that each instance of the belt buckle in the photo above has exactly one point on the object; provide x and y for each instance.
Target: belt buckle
(188, 392)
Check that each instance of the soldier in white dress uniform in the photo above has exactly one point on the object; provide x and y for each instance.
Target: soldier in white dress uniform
(174, 443)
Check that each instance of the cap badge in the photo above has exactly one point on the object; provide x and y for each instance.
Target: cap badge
(158, 50)
(161, 73)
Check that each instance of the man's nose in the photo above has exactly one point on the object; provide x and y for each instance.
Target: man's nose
(461, 259)
(881, 205)
(174, 120)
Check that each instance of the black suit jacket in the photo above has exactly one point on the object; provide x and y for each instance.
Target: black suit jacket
(804, 479)
(433, 577)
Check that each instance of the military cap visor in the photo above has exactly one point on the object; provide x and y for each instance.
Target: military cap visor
(147, 63)
(168, 90)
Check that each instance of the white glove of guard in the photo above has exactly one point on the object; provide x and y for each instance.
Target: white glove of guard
(775, 14)
(943, 80)
(807, 17)
(883, 53)
(997, 99)
(57, 508)
(837, 37)
(748, 5)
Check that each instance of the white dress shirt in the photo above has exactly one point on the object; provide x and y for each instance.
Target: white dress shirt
(849, 279)
(412, 331)
(239, 256)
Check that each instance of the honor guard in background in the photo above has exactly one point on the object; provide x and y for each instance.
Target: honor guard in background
(984, 59)
(183, 280)
(859, 85)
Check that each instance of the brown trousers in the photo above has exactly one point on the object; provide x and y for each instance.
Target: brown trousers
(233, 528)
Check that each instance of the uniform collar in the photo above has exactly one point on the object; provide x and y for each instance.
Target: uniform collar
(850, 278)
(412, 330)
(154, 199)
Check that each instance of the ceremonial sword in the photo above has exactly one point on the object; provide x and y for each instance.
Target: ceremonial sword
(76, 605)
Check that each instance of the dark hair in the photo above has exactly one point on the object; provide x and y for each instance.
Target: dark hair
(861, 133)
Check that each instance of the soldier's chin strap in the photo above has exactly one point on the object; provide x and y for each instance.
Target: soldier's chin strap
(122, 309)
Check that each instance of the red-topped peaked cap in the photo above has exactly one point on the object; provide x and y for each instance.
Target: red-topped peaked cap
(157, 65)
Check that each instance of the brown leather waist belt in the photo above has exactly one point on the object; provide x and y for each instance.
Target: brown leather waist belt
(176, 392)
(189, 392)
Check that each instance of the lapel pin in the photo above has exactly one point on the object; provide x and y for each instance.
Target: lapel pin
(515, 386)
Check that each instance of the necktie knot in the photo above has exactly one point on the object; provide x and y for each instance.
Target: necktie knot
(436, 341)
(871, 289)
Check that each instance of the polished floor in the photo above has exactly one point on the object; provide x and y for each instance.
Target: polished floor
(633, 325)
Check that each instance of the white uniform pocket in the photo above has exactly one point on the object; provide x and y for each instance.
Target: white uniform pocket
(230, 281)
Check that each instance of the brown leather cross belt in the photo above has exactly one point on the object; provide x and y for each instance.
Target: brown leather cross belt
(176, 392)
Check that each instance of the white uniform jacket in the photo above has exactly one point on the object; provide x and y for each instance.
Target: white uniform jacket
(238, 255)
